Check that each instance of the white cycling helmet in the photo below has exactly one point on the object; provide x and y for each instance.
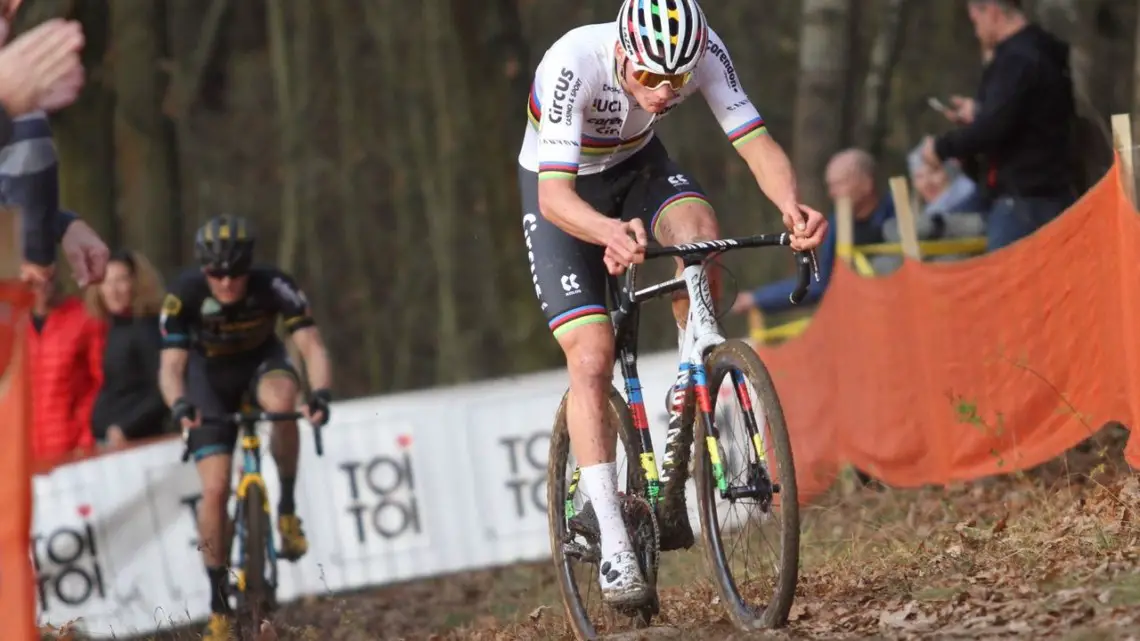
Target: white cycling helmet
(667, 37)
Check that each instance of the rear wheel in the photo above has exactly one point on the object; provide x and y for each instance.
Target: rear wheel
(764, 484)
(257, 587)
(574, 530)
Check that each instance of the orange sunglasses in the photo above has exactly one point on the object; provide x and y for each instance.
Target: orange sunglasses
(653, 81)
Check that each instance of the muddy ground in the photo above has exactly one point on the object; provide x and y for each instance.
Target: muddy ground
(1053, 553)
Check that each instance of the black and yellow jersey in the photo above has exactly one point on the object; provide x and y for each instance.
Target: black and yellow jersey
(192, 318)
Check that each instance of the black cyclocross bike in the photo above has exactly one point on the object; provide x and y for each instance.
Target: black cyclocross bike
(254, 570)
(652, 504)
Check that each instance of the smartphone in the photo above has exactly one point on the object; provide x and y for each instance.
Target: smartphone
(937, 104)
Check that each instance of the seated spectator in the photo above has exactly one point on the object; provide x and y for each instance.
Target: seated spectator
(129, 405)
(951, 207)
(850, 174)
(66, 350)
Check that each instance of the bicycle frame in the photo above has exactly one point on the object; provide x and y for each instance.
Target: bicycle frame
(702, 333)
(251, 475)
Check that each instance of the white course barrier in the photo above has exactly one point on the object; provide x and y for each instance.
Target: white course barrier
(410, 486)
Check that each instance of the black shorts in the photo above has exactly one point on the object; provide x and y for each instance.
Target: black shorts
(222, 386)
(569, 275)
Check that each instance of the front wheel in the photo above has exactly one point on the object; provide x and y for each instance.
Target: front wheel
(257, 582)
(734, 469)
(574, 536)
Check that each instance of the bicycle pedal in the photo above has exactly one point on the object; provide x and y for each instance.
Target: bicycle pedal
(239, 580)
(585, 523)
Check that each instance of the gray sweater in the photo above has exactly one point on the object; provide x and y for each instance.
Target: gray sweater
(29, 181)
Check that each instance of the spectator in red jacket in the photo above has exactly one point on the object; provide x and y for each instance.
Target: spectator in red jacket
(66, 349)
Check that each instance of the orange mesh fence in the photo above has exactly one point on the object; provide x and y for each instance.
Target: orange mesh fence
(941, 372)
(17, 582)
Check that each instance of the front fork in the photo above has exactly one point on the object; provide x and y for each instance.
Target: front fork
(759, 482)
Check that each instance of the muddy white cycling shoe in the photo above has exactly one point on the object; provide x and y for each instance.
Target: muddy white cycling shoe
(621, 580)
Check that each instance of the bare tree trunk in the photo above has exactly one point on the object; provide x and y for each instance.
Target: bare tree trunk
(288, 132)
(398, 145)
(824, 64)
(348, 128)
(494, 55)
(885, 55)
(302, 55)
(84, 131)
(439, 188)
(145, 152)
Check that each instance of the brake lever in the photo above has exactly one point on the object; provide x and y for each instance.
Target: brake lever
(806, 267)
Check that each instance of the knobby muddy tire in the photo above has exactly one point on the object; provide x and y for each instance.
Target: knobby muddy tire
(258, 598)
(724, 358)
(617, 412)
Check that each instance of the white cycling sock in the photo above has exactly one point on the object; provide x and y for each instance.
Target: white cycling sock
(600, 483)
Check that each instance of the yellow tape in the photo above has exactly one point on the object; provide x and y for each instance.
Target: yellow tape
(945, 247)
(785, 331)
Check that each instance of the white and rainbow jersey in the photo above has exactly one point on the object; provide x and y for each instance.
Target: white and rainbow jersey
(582, 122)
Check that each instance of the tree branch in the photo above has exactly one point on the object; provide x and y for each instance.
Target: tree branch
(186, 82)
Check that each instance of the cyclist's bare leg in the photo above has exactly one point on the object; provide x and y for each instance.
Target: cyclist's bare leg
(589, 353)
(688, 222)
(277, 392)
(214, 472)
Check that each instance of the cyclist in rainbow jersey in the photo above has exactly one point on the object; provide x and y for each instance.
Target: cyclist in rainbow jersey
(597, 183)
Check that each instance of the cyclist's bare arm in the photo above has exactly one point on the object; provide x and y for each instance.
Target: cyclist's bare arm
(563, 98)
(298, 318)
(561, 205)
(772, 169)
(172, 374)
(317, 365)
(174, 324)
(745, 128)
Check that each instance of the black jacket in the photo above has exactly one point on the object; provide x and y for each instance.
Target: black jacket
(129, 397)
(1023, 121)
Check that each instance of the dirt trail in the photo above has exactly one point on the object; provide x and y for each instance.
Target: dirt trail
(1051, 554)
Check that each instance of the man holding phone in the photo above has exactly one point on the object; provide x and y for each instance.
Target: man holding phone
(961, 113)
(1020, 123)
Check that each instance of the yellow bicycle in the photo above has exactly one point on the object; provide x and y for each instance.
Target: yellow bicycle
(255, 568)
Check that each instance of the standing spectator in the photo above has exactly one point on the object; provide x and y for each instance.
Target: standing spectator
(850, 174)
(1020, 123)
(129, 405)
(66, 350)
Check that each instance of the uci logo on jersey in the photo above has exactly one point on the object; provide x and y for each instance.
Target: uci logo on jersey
(601, 105)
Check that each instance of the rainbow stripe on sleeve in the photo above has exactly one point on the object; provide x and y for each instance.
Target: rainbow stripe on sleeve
(748, 131)
(560, 170)
(533, 109)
